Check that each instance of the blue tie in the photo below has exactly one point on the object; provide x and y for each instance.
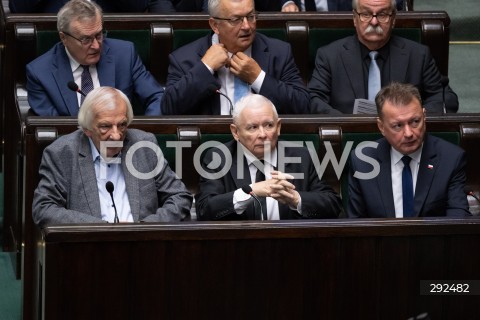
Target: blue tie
(87, 82)
(407, 188)
(373, 76)
(240, 89)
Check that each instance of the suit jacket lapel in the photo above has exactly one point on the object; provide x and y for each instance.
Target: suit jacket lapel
(240, 180)
(106, 67)
(62, 75)
(353, 64)
(385, 179)
(398, 60)
(89, 180)
(214, 103)
(426, 172)
(260, 53)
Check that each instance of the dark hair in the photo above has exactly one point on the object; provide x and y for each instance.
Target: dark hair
(398, 94)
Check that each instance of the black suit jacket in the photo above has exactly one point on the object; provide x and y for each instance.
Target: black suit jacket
(440, 182)
(341, 5)
(189, 82)
(338, 78)
(214, 201)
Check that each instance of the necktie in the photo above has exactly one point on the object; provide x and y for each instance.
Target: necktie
(373, 76)
(260, 176)
(240, 89)
(87, 82)
(310, 5)
(407, 188)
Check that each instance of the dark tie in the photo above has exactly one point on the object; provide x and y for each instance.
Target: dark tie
(310, 5)
(373, 76)
(407, 188)
(260, 176)
(87, 82)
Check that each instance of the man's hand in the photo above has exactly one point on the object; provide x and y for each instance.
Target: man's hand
(216, 57)
(244, 67)
(283, 190)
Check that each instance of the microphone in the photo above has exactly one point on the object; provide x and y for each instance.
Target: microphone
(109, 187)
(444, 81)
(74, 87)
(248, 190)
(214, 88)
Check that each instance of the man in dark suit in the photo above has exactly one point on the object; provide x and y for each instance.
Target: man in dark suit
(341, 72)
(76, 167)
(234, 181)
(407, 173)
(87, 58)
(235, 60)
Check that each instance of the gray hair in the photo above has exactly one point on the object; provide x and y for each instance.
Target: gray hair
(398, 94)
(213, 6)
(99, 99)
(393, 5)
(251, 101)
(77, 10)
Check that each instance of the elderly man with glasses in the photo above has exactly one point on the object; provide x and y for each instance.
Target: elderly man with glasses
(357, 66)
(212, 73)
(85, 57)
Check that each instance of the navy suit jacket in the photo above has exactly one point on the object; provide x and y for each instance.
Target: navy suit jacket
(440, 182)
(214, 201)
(338, 78)
(119, 67)
(189, 82)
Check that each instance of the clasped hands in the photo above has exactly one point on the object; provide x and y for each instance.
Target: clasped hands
(279, 188)
(239, 64)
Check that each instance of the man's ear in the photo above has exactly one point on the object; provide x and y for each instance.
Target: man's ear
(234, 131)
(380, 125)
(213, 24)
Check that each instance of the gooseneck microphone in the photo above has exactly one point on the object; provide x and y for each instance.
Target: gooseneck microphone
(74, 87)
(214, 88)
(109, 186)
(248, 190)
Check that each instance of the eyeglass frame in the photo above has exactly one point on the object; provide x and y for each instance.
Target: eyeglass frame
(102, 33)
(381, 14)
(235, 22)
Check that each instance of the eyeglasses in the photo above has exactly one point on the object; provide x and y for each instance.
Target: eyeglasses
(87, 41)
(367, 17)
(236, 21)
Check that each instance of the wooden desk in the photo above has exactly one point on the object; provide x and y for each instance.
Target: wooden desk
(331, 269)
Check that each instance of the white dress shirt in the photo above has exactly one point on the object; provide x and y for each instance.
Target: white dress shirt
(77, 70)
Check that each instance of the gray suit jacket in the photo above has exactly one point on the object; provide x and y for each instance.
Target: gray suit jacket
(338, 78)
(68, 192)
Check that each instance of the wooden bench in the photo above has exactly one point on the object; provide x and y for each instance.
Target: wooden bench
(330, 269)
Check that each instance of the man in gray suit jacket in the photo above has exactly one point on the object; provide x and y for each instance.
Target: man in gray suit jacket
(341, 73)
(77, 167)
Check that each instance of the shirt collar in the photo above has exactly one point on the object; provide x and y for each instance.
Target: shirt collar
(251, 158)
(215, 40)
(397, 156)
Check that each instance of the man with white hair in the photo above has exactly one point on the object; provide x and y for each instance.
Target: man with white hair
(265, 179)
(77, 167)
(356, 67)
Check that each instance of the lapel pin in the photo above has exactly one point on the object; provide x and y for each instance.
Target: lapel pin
(430, 166)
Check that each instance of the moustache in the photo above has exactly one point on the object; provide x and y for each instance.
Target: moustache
(374, 29)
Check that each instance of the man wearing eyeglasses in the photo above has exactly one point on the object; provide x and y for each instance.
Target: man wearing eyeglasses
(86, 57)
(408, 173)
(356, 67)
(232, 62)
(77, 167)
